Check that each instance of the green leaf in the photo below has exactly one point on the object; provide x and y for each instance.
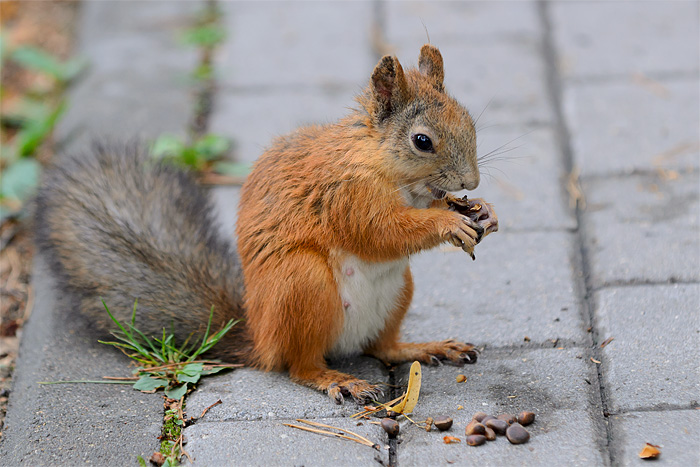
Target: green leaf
(176, 392)
(204, 36)
(232, 168)
(187, 378)
(214, 370)
(146, 383)
(192, 369)
(39, 60)
(141, 461)
(167, 145)
(212, 146)
(37, 130)
(20, 179)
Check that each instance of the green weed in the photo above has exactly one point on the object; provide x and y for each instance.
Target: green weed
(163, 363)
(203, 154)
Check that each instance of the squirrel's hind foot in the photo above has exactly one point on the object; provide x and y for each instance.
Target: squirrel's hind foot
(430, 353)
(338, 385)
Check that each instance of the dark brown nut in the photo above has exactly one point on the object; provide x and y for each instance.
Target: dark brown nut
(443, 423)
(479, 416)
(391, 426)
(499, 426)
(525, 418)
(508, 418)
(474, 428)
(487, 418)
(490, 434)
(516, 434)
(476, 440)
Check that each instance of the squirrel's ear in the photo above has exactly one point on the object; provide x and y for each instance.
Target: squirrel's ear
(430, 65)
(389, 87)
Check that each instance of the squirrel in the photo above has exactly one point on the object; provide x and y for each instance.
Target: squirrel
(327, 220)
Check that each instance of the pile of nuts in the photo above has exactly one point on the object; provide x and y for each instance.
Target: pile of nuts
(485, 427)
(481, 428)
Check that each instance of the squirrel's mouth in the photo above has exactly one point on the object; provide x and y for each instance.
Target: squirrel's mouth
(437, 193)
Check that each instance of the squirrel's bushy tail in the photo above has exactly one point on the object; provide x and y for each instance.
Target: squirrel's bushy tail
(118, 226)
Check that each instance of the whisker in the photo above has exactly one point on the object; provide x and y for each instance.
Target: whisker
(482, 112)
(504, 145)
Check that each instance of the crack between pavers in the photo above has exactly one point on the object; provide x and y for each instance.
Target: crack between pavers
(638, 283)
(693, 405)
(682, 170)
(580, 255)
(617, 78)
(394, 392)
(205, 90)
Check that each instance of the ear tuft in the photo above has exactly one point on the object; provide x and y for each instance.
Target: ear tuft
(389, 87)
(430, 65)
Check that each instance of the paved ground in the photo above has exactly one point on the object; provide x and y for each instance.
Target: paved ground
(607, 90)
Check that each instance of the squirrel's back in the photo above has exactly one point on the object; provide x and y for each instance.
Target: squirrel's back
(116, 225)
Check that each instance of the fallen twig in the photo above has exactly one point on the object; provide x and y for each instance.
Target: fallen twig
(207, 409)
(355, 437)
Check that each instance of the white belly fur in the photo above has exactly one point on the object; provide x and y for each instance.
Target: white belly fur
(369, 293)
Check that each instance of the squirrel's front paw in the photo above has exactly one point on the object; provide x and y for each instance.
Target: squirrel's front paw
(462, 232)
(361, 391)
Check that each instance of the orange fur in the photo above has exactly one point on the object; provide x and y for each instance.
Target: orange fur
(353, 188)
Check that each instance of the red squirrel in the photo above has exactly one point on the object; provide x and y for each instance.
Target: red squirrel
(328, 219)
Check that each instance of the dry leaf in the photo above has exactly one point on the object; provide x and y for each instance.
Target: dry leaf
(461, 378)
(595, 361)
(650, 451)
(451, 440)
(412, 392)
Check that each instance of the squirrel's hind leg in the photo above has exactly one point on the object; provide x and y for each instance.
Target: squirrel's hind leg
(390, 350)
(295, 315)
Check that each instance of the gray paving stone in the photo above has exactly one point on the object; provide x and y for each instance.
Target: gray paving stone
(520, 285)
(623, 126)
(525, 185)
(266, 443)
(137, 81)
(605, 38)
(677, 433)
(455, 21)
(643, 228)
(248, 394)
(652, 360)
(564, 437)
(73, 424)
(253, 120)
(552, 383)
(270, 43)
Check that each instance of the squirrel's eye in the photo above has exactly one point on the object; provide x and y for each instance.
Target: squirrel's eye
(422, 142)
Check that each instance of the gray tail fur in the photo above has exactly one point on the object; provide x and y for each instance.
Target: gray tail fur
(117, 226)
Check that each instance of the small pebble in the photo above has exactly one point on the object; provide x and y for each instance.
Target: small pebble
(490, 434)
(516, 434)
(525, 418)
(476, 440)
(443, 423)
(475, 428)
(499, 426)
